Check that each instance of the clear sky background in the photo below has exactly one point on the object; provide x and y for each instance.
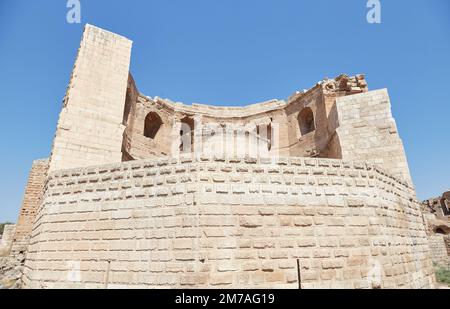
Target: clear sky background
(231, 52)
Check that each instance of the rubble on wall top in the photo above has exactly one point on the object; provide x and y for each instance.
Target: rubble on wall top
(43, 160)
(343, 84)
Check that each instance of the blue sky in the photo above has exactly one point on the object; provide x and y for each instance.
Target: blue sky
(230, 53)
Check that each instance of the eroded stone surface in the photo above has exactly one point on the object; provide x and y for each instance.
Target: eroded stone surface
(11, 270)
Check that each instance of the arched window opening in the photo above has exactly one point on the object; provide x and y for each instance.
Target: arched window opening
(269, 137)
(306, 121)
(187, 135)
(440, 231)
(152, 125)
(265, 132)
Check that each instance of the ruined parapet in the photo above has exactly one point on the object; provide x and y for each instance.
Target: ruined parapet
(338, 118)
(90, 127)
(437, 219)
(439, 206)
(436, 212)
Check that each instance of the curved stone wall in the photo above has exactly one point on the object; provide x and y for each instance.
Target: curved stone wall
(240, 223)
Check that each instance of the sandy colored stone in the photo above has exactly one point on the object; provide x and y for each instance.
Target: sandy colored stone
(329, 190)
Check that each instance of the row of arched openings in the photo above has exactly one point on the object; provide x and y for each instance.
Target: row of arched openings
(153, 125)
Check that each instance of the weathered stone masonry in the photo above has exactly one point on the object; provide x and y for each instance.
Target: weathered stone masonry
(234, 223)
(90, 125)
(436, 213)
(119, 208)
(31, 202)
(7, 239)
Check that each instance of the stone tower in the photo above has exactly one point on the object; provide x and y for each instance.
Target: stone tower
(90, 127)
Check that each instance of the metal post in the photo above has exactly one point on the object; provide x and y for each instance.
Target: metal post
(299, 275)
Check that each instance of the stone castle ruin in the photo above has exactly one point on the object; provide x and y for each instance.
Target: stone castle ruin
(436, 213)
(309, 192)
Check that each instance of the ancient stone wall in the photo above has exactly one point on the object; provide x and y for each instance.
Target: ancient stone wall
(440, 253)
(104, 116)
(368, 132)
(214, 222)
(437, 221)
(90, 127)
(439, 206)
(347, 122)
(137, 145)
(228, 223)
(31, 202)
(6, 239)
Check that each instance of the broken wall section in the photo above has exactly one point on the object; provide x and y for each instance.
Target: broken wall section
(30, 205)
(368, 132)
(7, 239)
(90, 128)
